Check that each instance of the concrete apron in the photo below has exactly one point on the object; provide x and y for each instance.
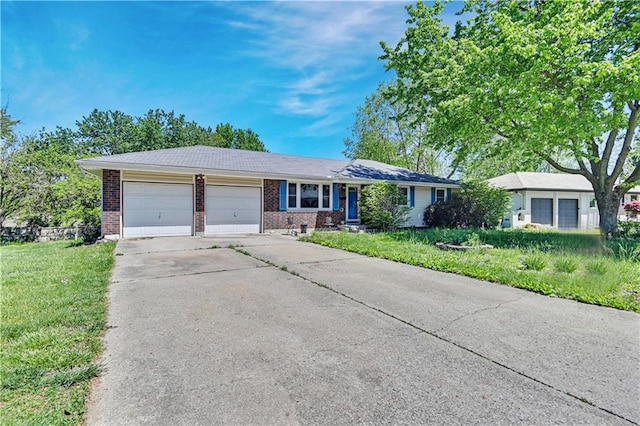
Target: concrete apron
(278, 331)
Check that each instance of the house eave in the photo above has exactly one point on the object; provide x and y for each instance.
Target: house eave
(95, 167)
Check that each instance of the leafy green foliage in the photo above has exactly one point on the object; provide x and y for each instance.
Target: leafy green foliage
(383, 131)
(628, 229)
(619, 288)
(114, 132)
(42, 186)
(52, 319)
(552, 81)
(477, 205)
(383, 206)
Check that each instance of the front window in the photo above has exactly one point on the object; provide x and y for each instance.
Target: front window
(293, 195)
(326, 196)
(405, 191)
(309, 196)
(440, 194)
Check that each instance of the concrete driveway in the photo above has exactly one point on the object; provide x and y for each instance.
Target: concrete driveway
(275, 331)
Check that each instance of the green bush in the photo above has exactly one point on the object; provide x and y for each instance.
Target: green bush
(383, 206)
(478, 205)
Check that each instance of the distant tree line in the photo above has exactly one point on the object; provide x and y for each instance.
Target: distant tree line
(40, 185)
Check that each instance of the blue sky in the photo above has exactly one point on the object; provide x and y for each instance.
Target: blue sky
(294, 72)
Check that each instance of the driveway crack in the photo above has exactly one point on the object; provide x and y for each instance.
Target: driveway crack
(477, 311)
(447, 340)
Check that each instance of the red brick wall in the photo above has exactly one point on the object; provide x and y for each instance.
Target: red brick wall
(111, 202)
(275, 219)
(200, 200)
(271, 196)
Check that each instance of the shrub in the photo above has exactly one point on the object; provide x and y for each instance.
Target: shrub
(628, 229)
(383, 206)
(534, 262)
(478, 205)
(565, 264)
(632, 208)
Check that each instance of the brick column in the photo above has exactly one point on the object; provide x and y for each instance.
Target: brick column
(111, 203)
(200, 180)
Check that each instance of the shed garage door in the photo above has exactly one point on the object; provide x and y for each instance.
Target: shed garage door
(232, 209)
(567, 213)
(157, 209)
(542, 211)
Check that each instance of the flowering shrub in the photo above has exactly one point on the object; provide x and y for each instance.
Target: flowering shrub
(632, 208)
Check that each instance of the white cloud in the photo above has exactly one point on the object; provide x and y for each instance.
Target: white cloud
(322, 46)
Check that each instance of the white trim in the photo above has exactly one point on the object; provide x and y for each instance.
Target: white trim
(298, 183)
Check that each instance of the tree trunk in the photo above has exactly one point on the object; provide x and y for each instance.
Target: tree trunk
(608, 206)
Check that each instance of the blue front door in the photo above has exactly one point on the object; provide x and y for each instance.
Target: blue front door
(352, 203)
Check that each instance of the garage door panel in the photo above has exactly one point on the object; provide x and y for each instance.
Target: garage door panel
(157, 209)
(542, 211)
(233, 209)
(567, 213)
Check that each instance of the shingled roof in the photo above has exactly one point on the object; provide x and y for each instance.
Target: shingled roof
(206, 159)
(544, 182)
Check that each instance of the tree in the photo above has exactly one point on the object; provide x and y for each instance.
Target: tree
(383, 131)
(10, 189)
(383, 205)
(545, 79)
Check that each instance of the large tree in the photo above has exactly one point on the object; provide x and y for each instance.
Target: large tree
(384, 131)
(548, 80)
(40, 184)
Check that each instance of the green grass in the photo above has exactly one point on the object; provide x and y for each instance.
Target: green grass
(569, 265)
(53, 315)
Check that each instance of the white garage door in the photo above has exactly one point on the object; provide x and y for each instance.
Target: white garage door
(232, 209)
(157, 209)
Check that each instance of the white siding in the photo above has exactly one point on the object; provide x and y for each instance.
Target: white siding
(422, 201)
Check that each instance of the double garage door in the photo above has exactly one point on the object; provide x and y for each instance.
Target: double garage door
(166, 209)
(542, 212)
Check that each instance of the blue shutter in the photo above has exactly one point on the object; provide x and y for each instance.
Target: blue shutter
(448, 193)
(336, 197)
(412, 196)
(433, 195)
(283, 195)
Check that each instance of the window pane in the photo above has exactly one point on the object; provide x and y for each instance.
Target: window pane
(440, 195)
(325, 196)
(308, 195)
(292, 195)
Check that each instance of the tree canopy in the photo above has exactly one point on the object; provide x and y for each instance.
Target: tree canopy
(385, 131)
(542, 80)
(42, 186)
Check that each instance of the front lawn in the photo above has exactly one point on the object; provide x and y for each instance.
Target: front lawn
(53, 315)
(570, 265)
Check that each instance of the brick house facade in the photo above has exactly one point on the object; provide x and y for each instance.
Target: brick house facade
(110, 202)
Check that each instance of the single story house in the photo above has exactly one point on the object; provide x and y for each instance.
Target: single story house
(202, 190)
(553, 199)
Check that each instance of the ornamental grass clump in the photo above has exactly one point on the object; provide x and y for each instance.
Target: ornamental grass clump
(534, 262)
